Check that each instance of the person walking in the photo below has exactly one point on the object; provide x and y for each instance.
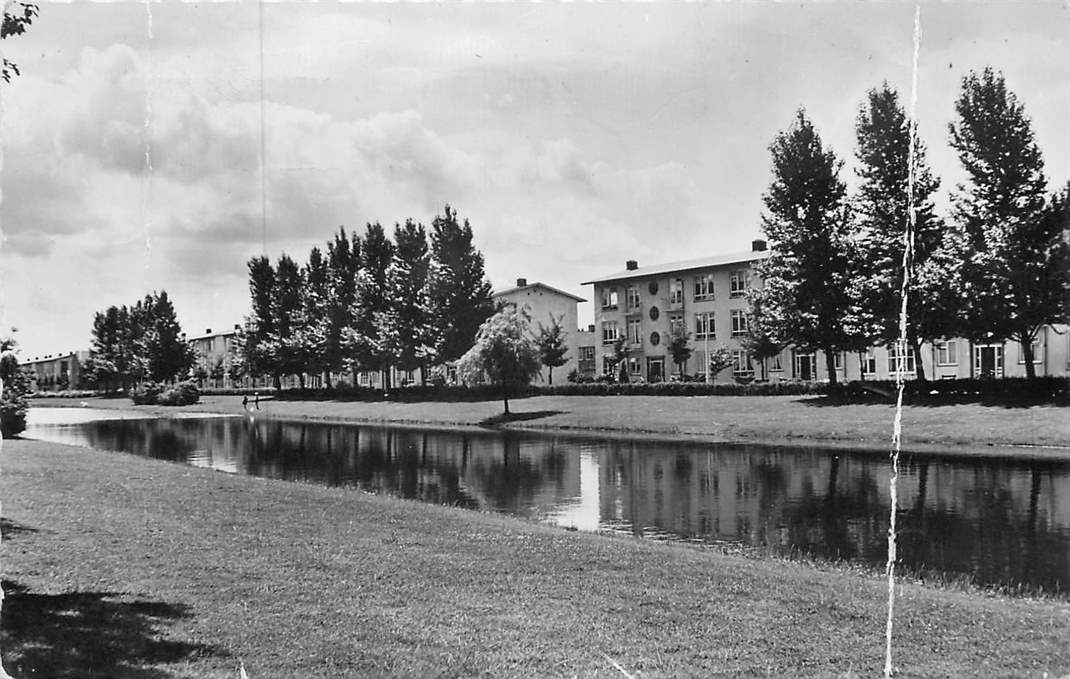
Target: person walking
(245, 402)
(256, 399)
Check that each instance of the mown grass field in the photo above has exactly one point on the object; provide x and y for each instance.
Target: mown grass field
(118, 566)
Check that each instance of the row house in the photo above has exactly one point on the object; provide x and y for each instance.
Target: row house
(707, 297)
(548, 305)
(56, 372)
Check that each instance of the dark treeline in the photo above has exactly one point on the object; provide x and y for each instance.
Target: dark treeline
(137, 343)
(369, 303)
(995, 270)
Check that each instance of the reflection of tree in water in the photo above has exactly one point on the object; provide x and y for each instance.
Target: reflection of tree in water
(511, 479)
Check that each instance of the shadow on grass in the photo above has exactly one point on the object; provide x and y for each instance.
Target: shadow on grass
(506, 418)
(90, 634)
(881, 399)
(11, 529)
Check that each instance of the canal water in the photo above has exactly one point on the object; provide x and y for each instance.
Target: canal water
(992, 521)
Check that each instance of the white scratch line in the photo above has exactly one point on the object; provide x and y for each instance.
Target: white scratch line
(614, 663)
(146, 204)
(897, 427)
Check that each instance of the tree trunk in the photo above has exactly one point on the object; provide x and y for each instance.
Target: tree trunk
(550, 375)
(327, 378)
(277, 381)
(919, 366)
(830, 364)
(301, 381)
(861, 366)
(1026, 342)
(385, 372)
(505, 398)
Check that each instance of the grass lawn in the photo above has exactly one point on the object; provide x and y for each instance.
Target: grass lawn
(964, 428)
(118, 566)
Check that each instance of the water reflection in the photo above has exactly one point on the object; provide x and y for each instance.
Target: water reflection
(998, 522)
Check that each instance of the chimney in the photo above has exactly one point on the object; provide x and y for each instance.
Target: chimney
(631, 265)
(207, 331)
(521, 282)
(590, 328)
(237, 326)
(757, 245)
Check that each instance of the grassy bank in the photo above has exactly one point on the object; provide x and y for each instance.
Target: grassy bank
(125, 567)
(794, 419)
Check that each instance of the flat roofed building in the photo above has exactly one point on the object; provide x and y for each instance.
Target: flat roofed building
(58, 372)
(547, 304)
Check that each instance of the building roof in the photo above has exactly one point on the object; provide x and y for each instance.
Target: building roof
(209, 335)
(679, 267)
(544, 286)
(81, 353)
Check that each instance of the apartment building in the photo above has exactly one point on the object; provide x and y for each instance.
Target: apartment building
(214, 352)
(56, 372)
(546, 305)
(708, 298)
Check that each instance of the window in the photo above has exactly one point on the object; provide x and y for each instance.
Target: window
(632, 299)
(363, 379)
(837, 361)
(608, 366)
(610, 332)
(609, 298)
(741, 364)
(739, 322)
(774, 364)
(900, 359)
(676, 291)
(947, 353)
(704, 288)
(585, 362)
(635, 336)
(635, 366)
(1037, 356)
(676, 324)
(738, 282)
(704, 326)
(869, 364)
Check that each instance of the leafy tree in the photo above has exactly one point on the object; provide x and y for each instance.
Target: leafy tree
(106, 366)
(807, 277)
(457, 286)
(759, 342)
(680, 349)
(287, 311)
(1012, 251)
(882, 209)
(618, 358)
(343, 266)
(368, 349)
(14, 386)
(553, 350)
(504, 351)
(405, 326)
(312, 335)
(256, 351)
(166, 353)
(17, 18)
(719, 359)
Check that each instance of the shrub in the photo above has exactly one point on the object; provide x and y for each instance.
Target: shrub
(146, 393)
(182, 394)
(13, 404)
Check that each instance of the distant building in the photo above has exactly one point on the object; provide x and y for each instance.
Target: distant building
(214, 353)
(708, 298)
(58, 372)
(547, 304)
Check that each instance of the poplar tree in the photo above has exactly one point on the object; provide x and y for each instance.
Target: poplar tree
(457, 286)
(312, 334)
(1012, 252)
(372, 301)
(882, 210)
(807, 295)
(405, 326)
(343, 265)
(288, 317)
(167, 355)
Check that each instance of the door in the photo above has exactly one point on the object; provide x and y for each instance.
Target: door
(804, 366)
(655, 369)
(988, 360)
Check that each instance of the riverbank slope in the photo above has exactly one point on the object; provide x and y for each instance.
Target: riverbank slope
(961, 428)
(118, 566)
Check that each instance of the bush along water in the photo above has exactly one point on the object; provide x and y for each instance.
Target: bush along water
(152, 393)
(13, 403)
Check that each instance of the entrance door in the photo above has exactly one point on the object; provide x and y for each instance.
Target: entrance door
(805, 366)
(988, 360)
(655, 369)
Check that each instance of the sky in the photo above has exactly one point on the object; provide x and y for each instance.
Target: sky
(159, 146)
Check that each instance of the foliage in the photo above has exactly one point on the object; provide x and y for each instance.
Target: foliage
(146, 393)
(1008, 239)
(367, 346)
(182, 394)
(343, 266)
(719, 359)
(504, 351)
(806, 297)
(133, 343)
(458, 290)
(14, 387)
(680, 349)
(405, 327)
(17, 18)
(882, 211)
(553, 347)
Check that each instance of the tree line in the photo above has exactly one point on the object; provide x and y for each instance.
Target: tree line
(137, 343)
(368, 303)
(995, 270)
